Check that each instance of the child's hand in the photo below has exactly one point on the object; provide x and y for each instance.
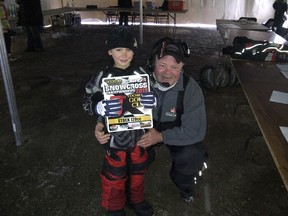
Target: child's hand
(109, 108)
(100, 134)
(148, 100)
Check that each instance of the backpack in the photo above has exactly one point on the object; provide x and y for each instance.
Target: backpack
(217, 76)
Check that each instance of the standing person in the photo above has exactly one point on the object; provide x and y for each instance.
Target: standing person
(30, 16)
(164, 5)
(280, 7)
(124, 15)
(6, 29)
(125, 163)
(180, 117)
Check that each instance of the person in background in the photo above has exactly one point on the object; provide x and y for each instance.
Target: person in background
(125, 163)
(179, 118)
(6, 29)
(164, 5)
(123, 19)
(31, 18)
(280, 7)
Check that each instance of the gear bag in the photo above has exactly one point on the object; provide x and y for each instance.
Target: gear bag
(221, 74)
(248, 49)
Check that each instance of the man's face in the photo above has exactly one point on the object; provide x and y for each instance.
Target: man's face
(167, 69)
(122, 57)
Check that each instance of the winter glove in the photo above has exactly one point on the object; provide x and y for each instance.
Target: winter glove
(109, 108)
(148, 100)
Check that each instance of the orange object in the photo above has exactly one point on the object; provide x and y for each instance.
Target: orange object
(176, 4)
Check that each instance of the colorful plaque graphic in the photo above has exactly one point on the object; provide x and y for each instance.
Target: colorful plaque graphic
(128, 89)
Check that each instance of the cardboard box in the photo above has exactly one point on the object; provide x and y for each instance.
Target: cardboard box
(176, 4)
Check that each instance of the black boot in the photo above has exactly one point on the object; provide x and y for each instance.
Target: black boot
(187, 197)
(185, 184)
(142, 209)
(116, 213)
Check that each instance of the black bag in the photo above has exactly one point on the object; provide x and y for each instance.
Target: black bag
(245, 48)
(217, 76)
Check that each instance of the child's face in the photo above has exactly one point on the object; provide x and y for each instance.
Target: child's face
(122, 57)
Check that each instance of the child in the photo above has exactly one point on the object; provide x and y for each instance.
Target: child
(6, 29)
(125, 163)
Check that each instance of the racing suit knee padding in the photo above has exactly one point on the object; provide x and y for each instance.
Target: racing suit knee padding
(136, 189)
(113, 193)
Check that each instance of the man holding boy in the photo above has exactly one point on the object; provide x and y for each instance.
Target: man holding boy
(180, 117)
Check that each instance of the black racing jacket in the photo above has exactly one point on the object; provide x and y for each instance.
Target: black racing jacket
(123, 140)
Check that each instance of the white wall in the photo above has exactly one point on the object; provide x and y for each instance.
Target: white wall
(206, 11)
(199, 11)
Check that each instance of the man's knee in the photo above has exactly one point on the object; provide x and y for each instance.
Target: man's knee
(189, 160)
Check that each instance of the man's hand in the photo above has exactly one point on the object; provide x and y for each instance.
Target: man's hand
(100, 134)
(150, 138)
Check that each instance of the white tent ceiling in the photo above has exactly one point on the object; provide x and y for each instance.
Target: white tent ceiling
(199, 11)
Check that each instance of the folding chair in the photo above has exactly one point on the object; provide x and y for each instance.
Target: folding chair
(135, 15)
(150, 16)
(112, 16)
(163, 18)
(269, 23)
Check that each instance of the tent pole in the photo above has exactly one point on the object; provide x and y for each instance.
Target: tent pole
(141, 22)
(6, 74)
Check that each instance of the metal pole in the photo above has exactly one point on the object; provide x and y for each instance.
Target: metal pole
(141, 22)
(6, 74)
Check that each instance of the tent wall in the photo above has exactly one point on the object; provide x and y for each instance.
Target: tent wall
(199, 11)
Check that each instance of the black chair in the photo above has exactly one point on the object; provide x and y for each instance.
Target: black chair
(269, 23)
(112, 16)
(135, 15)
(254, 19)
(150, 16)
(163, 18)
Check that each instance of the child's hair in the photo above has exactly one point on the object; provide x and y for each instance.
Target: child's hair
(121, 36)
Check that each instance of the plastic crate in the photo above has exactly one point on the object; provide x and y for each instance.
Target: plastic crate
(175, 4)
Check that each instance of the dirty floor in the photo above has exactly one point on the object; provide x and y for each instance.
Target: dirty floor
(56, 170)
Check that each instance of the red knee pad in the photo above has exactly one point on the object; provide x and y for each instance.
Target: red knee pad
(136, 188)
(113, 193)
